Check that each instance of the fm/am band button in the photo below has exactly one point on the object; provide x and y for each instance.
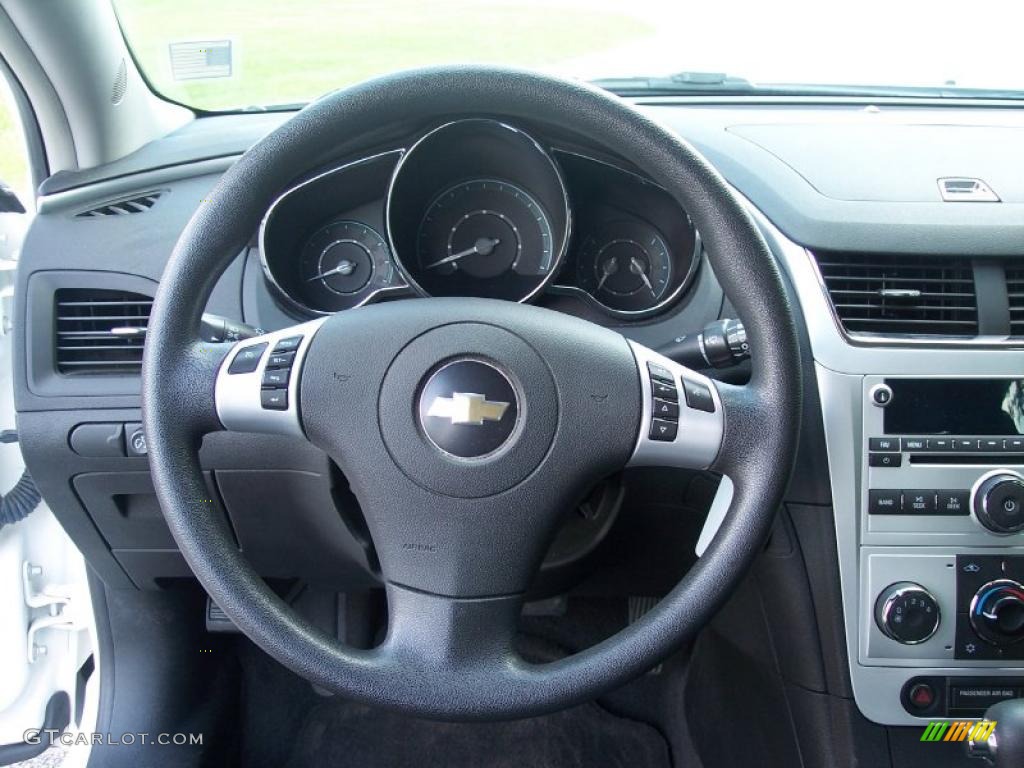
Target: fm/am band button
(885, 502)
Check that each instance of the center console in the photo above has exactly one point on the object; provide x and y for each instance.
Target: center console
(925, 448)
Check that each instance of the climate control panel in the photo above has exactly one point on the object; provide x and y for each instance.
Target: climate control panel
(990, 607)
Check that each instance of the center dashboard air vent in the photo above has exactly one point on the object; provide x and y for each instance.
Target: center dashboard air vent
(123, 207)
(100, 331)
(904, 295)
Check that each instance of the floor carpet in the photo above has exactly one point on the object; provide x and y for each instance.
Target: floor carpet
(345, 734)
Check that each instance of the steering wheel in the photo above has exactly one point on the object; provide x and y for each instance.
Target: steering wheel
(460, 524)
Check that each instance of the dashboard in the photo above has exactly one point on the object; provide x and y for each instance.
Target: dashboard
(897, 289)
(480, 208)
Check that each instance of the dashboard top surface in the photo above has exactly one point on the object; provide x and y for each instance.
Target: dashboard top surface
(781, 157)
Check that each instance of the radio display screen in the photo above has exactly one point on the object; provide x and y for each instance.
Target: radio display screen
(955, 407)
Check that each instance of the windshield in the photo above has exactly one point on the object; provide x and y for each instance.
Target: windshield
(237, 54)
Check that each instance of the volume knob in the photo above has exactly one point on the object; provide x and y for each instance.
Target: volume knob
(998, 501)
(907, 613)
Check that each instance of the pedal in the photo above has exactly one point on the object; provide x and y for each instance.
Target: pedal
(216, 619)
(553, 606)
(638, 606)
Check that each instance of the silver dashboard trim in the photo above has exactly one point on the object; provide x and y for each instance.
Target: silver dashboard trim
(841, 368)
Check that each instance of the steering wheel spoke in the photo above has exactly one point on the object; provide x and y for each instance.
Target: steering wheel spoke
(257, 387)
(462, 635)
(683, 419)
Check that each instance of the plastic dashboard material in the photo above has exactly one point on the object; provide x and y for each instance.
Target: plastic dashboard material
(774, 154)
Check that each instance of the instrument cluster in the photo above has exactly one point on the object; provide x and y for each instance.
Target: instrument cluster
(479, 208)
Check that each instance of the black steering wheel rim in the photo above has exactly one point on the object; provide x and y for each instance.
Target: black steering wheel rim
(467, 678)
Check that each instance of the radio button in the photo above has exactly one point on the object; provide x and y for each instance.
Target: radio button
(1014, 445)
(885, 459)
(919, 502)
(914, 444)
(884, 443)
(940, 444)
(953, 502)
(881, 395)
(885, 502)
(964, 445)
(991, 445)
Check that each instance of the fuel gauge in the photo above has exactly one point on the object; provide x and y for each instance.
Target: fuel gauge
(625, 266)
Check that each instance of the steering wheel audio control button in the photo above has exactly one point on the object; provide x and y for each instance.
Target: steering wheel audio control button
(664, 430)
(663, 391)
(698, 396)
(247, 359)
(287, 345)
(665, 409)
(275, 378)
(274, 399)
(280, 360)
(660, 372)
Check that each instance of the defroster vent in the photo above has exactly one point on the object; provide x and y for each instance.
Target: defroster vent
(100, 331)
(123, 207)
(905, 295)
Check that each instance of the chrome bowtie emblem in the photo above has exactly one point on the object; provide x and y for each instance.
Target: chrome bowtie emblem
(467, 408)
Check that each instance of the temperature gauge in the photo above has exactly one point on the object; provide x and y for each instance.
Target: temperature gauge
(626, 266)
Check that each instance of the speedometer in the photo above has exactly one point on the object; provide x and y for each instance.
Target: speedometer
(478, 208)
(482, 229)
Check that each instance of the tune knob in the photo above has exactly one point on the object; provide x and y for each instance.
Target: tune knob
(907, 613)
(998, 502)
(997, 612)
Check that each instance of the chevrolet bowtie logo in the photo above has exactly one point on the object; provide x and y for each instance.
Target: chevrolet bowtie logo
(467, 408)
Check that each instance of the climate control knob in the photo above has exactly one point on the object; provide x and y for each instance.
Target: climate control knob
(997, 612)
(907, 613)
(998, 502)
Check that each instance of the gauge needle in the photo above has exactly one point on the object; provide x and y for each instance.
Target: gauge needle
(484, 246)
(345, 267)
(638, 269)
(610, 268)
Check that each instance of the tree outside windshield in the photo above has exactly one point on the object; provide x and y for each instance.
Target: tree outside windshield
(233, 54)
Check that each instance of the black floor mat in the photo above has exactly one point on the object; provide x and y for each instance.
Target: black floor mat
(338, 733)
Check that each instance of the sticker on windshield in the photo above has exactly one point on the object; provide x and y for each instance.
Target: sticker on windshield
(201, 59)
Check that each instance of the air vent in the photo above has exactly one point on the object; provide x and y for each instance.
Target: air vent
(1015, 290)
(902, 295)
(125, 206)
(99, 331)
